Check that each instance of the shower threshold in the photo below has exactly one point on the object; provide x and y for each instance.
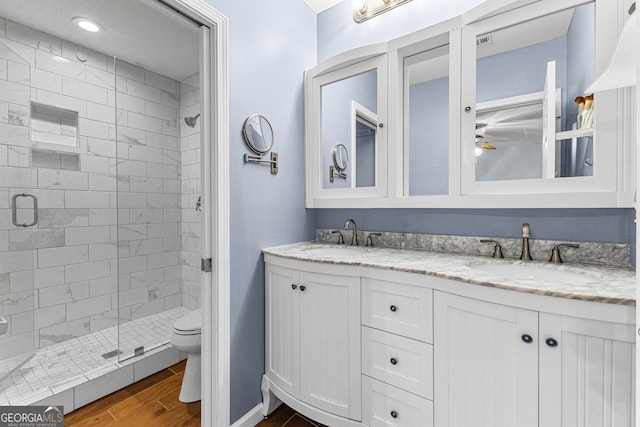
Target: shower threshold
(77, 371)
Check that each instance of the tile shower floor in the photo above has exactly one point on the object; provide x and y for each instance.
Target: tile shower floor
(61, 366)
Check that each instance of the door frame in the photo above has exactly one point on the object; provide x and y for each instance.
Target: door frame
(216, 405)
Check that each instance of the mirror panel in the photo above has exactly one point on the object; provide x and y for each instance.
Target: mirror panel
(426, 133)
(258, 133)
(527, 79)
(340, 124)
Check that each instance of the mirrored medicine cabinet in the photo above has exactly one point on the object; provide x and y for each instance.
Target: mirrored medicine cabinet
(484, 110)
(346, 107)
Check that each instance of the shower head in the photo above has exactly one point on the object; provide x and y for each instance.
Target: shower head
(191, 121)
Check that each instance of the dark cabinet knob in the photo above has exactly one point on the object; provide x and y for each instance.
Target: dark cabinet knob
(393, 308)
(302, 288)
(394, 414)
(551, 342)
(381, 125)
(527, 338)
(467, 109)
(294, 286)
(393, 361)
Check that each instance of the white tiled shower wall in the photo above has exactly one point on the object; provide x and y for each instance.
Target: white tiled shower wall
(59, 279)
(191, 229)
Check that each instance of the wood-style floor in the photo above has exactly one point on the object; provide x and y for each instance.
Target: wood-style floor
(152, 401)
(285, 416)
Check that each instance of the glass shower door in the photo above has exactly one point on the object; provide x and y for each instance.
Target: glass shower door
(20, 235)
(158, 169)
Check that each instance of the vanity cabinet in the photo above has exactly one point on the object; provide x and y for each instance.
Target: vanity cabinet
(353, 346)
(313, 338)
(497, 365)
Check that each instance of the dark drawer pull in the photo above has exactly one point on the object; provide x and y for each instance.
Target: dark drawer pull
(294, 286)
(393, 361)
(551, 342)
(394, 414)
(393, 308)
(527, 338)
(302, 288)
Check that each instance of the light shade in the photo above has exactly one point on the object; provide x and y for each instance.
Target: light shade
(621, 70)
(367, 9)
(87, 24)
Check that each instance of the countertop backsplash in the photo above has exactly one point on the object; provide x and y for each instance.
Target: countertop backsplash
(589, 252)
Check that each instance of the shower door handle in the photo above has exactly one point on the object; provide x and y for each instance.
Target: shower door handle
(14, 208)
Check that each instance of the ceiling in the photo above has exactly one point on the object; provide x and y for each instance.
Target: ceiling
(134, 30)
(321, 5)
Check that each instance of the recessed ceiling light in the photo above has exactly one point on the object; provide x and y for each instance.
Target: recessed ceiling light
(87, 24)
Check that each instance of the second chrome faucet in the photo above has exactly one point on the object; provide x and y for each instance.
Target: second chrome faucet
(354, 238)
(526, 233)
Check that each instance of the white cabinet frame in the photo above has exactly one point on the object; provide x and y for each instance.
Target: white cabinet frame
(613, 183)
(353, 63)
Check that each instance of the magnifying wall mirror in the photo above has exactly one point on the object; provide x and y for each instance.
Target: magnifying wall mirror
(258, 134)
(340, 162)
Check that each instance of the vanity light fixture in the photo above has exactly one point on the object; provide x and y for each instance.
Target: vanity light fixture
(367, 9)
(87, 24)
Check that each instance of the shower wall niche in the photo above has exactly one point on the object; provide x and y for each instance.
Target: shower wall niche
(103, 146)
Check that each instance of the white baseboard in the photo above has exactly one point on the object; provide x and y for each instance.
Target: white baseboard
(251, 418)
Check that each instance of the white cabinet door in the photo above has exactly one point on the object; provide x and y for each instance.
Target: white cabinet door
(282, 329)
(330, 343)
(587, 371)
(485, 364)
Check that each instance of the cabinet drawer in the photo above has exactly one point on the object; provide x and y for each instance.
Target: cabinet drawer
(384, 405)
(399, 361)
(402, 309)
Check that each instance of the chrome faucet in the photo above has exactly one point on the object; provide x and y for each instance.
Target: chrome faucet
(354, 238)
(526, 233)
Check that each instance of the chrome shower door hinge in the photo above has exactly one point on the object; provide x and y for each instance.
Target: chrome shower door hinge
(206, 264)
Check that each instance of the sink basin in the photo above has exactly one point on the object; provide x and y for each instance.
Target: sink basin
(532, 272)
(338, 249)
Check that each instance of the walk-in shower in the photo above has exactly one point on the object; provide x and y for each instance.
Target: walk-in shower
(99, 241)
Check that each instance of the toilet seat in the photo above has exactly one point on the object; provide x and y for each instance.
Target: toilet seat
(189, 324)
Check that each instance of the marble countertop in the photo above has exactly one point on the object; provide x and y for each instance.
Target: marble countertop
(589, 282)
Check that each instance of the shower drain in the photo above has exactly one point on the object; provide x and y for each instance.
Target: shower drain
(110, 354)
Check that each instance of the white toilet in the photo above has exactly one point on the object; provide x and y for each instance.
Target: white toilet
(186, 338)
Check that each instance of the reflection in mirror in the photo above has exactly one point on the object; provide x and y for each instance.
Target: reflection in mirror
(340, 157)
(338, 126)
(365, 124)
(426, 86)
(509, 140)
(340, 162)
(258, 133)
(552, 56)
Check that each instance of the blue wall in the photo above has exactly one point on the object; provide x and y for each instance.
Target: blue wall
(268, 51)
(520, 71)
(429, 137)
